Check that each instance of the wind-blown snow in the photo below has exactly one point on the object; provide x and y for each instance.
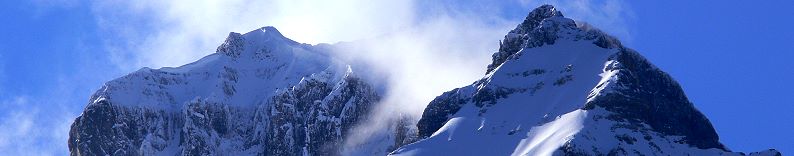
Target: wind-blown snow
(262, 93)
(538, 99)
(545, 139)
(556, 79)
(245, 99)
(269, 62)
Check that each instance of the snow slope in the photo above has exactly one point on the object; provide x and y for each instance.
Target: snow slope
(259, 94)
(557, 87)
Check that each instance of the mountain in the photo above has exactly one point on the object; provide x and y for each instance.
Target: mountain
(259, 94)
(555, 87)
(560, 87)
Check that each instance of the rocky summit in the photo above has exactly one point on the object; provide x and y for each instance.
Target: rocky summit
(560, 87)
(555, 87)
(259, 94)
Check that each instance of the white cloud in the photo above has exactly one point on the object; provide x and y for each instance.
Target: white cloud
(422, 50)
(421, 55)
(37, 121)
(27, 128)
(425, 61)
(39, 124)
(422, 47)
(454, 44)
(170, 33)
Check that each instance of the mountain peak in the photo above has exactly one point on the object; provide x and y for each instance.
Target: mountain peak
(269, 31)
(532, 31)
(232, 46)
(536, 17)
(544, 12)
(556, 87)
(267, 36)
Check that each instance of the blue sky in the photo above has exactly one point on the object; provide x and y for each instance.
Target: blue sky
(733, 58)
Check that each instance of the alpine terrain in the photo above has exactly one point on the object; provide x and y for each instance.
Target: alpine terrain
(558, 87)
(259, 94)
(555, 87)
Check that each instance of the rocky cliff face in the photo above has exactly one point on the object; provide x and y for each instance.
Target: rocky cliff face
(259, 94)
(314, 117)
(555, 87)
(558, 87)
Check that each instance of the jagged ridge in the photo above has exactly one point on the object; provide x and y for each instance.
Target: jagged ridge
(630, 108)
(259, 94)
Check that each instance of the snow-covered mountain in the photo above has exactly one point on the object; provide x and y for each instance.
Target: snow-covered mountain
(559, 87)
(555, 87)
(259, 94)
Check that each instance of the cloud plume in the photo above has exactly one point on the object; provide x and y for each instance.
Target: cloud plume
(408, 40)
(170, 33)
(420, 48)
(30, 128)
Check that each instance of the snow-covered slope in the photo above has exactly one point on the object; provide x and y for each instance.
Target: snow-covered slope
(558, 87)
(555, 87)
(259, 94)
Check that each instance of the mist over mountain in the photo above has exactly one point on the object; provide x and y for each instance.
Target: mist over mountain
(555, 87)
